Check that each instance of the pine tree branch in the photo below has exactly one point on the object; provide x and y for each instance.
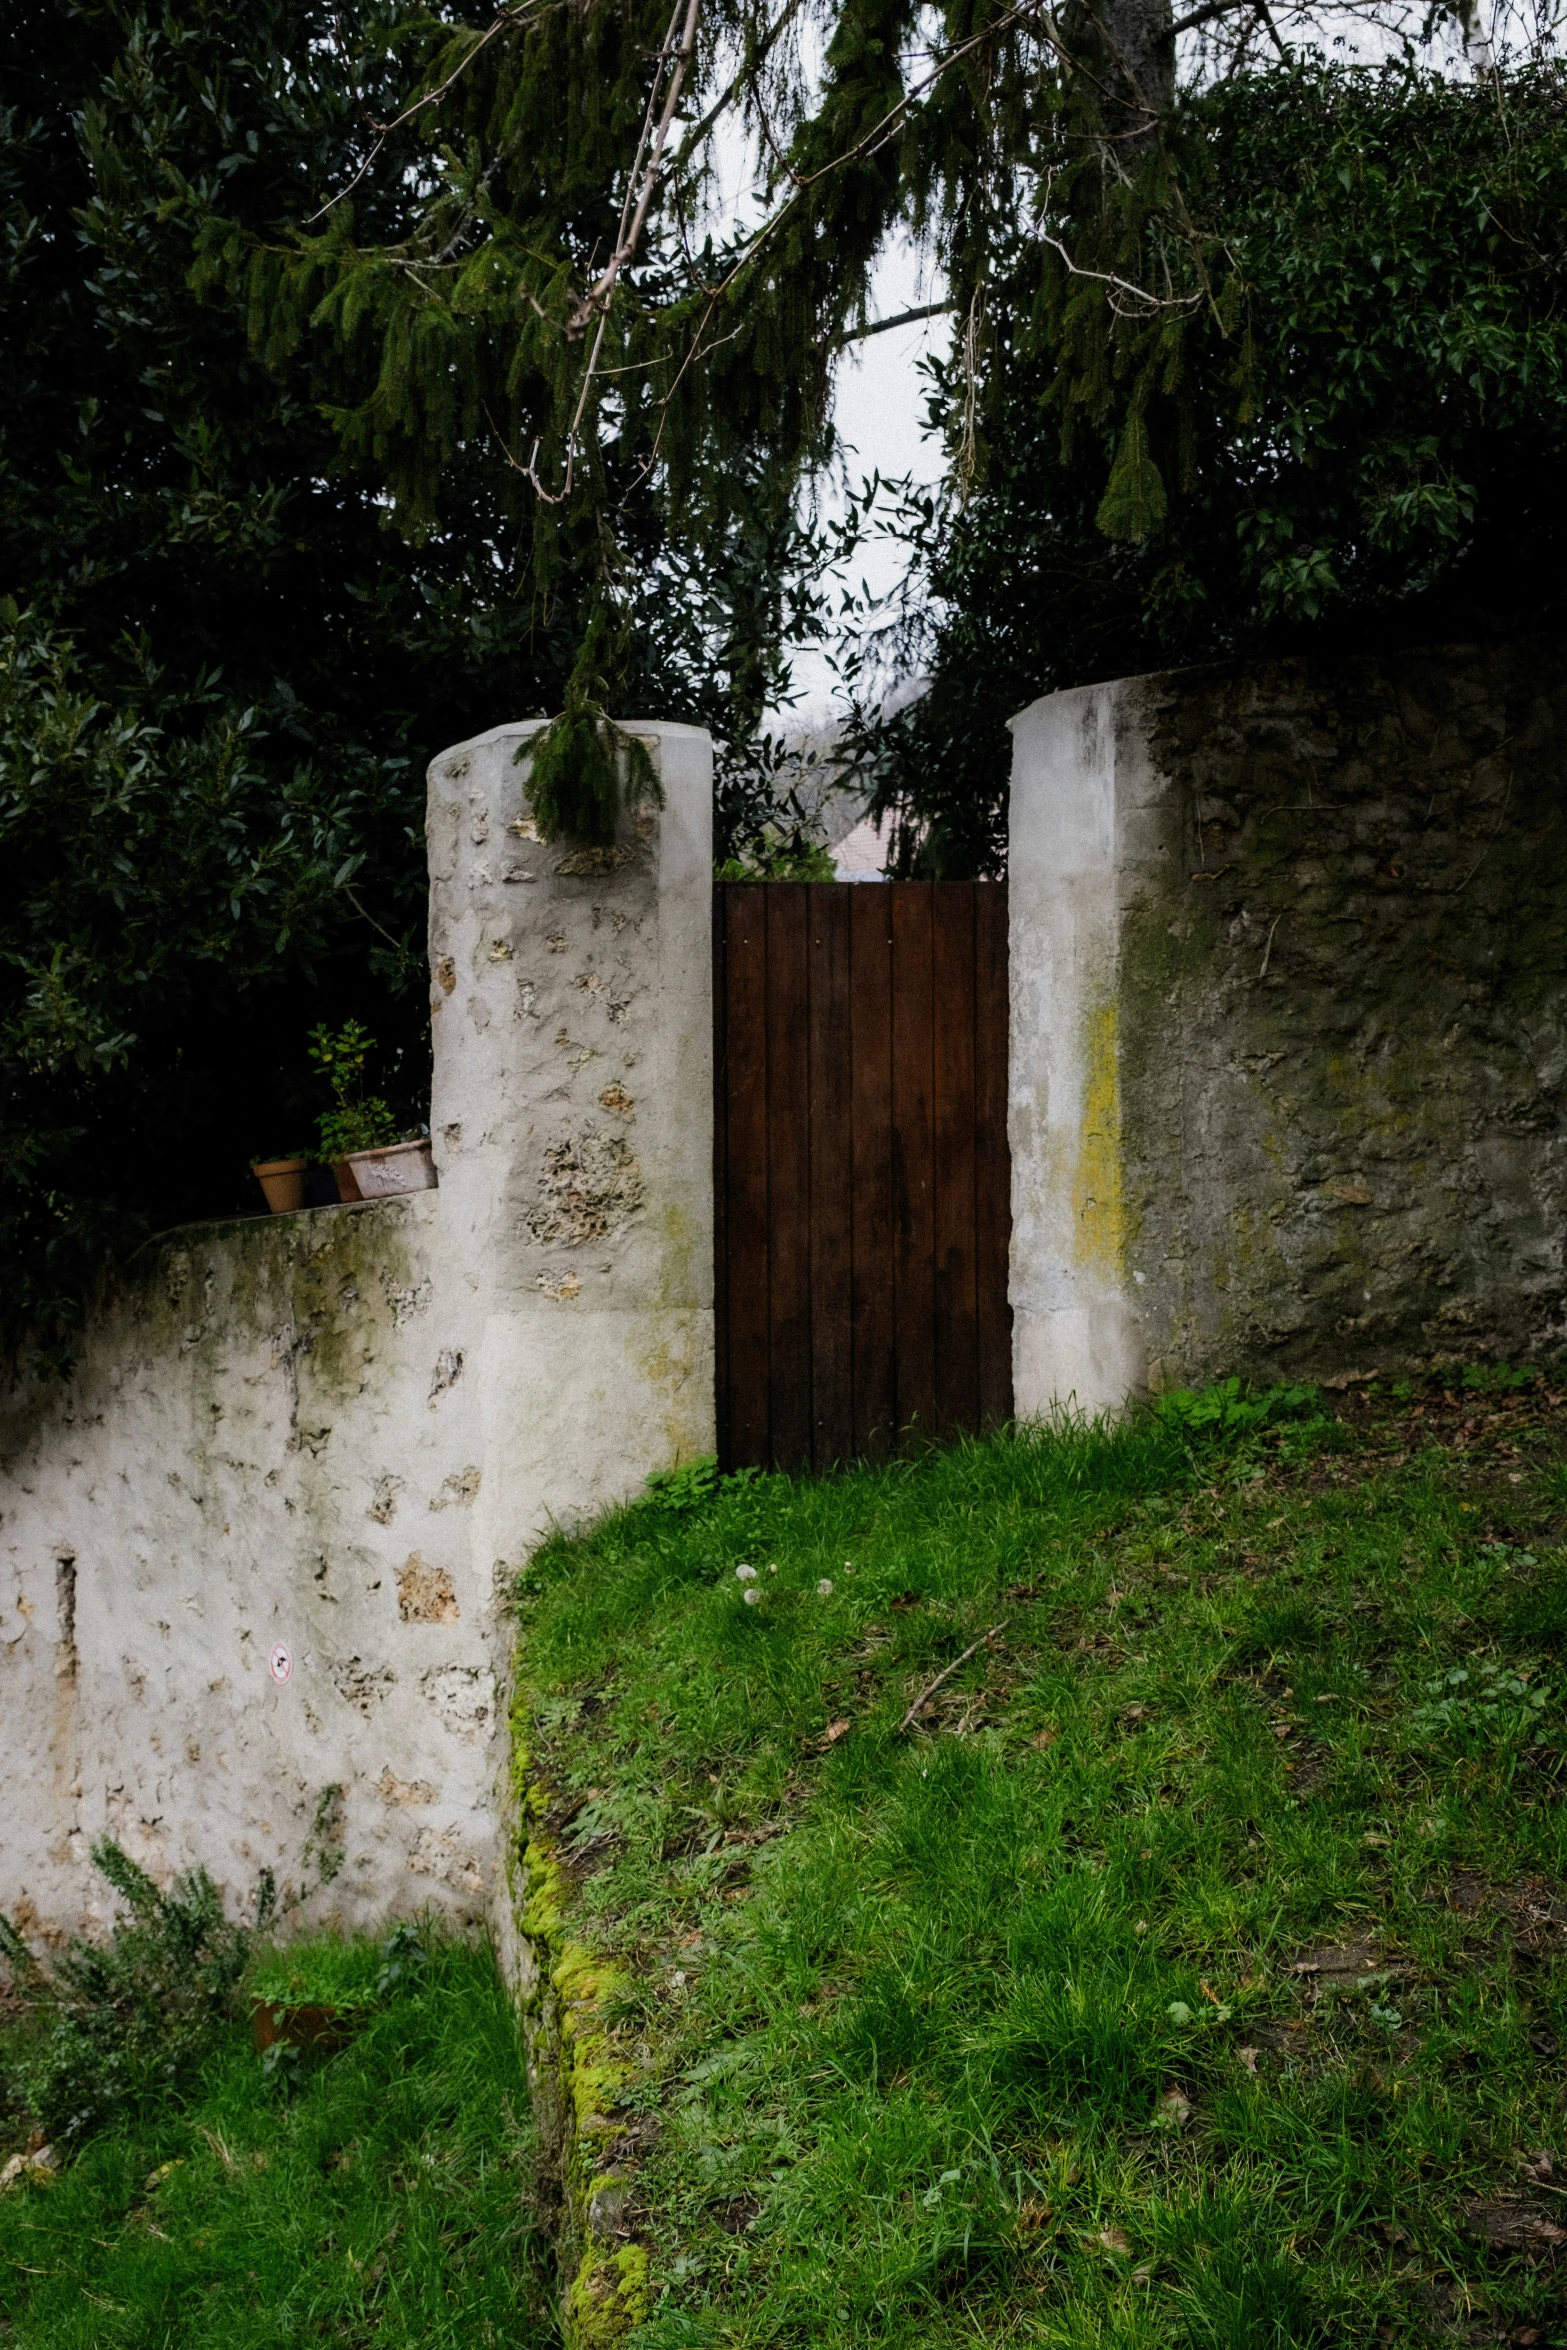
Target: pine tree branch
(721, 105)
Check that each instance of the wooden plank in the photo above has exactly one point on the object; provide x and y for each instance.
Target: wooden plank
(874, 1326)
(953, 1216)
(832, 1176)
(721, 1176)
(993, 1159)
(745, 1053)
(913, 1153)
(789, 1172)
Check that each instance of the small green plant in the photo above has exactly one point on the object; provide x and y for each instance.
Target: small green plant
(1497, 1378)
(130, 2021)
(1231, 1408)
(357, 1121)
(1494, 1705)
(689, 1487)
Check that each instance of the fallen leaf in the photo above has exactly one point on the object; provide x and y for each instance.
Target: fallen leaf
(1175, 2106)
(1044, 1738)
(1248, 2057)
(1113, 2240)
(835, 1731)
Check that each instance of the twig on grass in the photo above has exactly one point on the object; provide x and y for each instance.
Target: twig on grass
(926, 1695)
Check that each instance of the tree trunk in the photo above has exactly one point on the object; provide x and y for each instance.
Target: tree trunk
(1141, 66)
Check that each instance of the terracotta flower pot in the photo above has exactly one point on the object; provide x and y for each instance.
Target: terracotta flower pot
(321, 2029)
(283, 1182)
(386, 1174)
(347, 1186)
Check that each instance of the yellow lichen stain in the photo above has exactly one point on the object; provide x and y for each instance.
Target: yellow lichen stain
(1098, 1203)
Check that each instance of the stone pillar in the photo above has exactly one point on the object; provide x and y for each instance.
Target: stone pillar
(572, 1118)
(1288, 1092)
(1075, 1339)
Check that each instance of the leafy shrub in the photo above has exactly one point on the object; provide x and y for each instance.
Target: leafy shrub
(128, 2022)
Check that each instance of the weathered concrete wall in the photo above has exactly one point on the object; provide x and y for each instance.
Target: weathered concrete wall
(1289, 980)
(573, 1115)
(341, 1430)
(269, 1438)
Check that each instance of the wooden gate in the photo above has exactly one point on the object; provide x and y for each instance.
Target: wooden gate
(863, 1180)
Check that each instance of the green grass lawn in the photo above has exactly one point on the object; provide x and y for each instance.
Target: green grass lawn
(1192, 1972)
(385, 2197)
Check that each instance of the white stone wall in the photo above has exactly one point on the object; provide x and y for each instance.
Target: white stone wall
(341, 1431)
(1075, 1337)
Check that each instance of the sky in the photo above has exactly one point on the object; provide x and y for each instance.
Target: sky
(878, 408)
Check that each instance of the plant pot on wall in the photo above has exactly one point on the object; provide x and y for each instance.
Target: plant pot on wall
(387, 1173)
(282, 1182)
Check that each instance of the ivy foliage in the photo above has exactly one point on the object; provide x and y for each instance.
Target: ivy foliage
(1342, 422)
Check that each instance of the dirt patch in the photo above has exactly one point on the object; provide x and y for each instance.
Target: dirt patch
(1529, 1912)
(1341, 1965)
(1514, 2223)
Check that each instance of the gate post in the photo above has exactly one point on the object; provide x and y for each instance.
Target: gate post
(1075, 1335)
(572, 1119)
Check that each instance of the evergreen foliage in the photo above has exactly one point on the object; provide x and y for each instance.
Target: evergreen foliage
(1342, 422)
(223, 667)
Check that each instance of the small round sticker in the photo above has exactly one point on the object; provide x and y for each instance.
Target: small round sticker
(280, 1664)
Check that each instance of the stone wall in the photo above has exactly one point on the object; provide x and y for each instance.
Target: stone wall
(341, 1431)
(270, 1438)
(1289, 1060)
(1289, 971)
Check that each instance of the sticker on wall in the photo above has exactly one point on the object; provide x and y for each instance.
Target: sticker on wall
(280, 1663)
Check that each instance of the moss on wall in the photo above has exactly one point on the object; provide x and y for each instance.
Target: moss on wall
(579, 2070)
(1343, 986)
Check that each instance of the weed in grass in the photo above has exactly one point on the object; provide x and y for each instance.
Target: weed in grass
(1183, 1975)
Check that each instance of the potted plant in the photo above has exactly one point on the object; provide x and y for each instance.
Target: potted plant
(282, 1181)
(315, 1994)
(360, 1140)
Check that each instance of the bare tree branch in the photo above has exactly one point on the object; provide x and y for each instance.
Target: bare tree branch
(884, 326)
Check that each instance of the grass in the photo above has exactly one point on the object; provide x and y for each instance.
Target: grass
(1193, 1972)
(383, 2197)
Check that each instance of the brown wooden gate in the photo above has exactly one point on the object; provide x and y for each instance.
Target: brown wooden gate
(863, 1180)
